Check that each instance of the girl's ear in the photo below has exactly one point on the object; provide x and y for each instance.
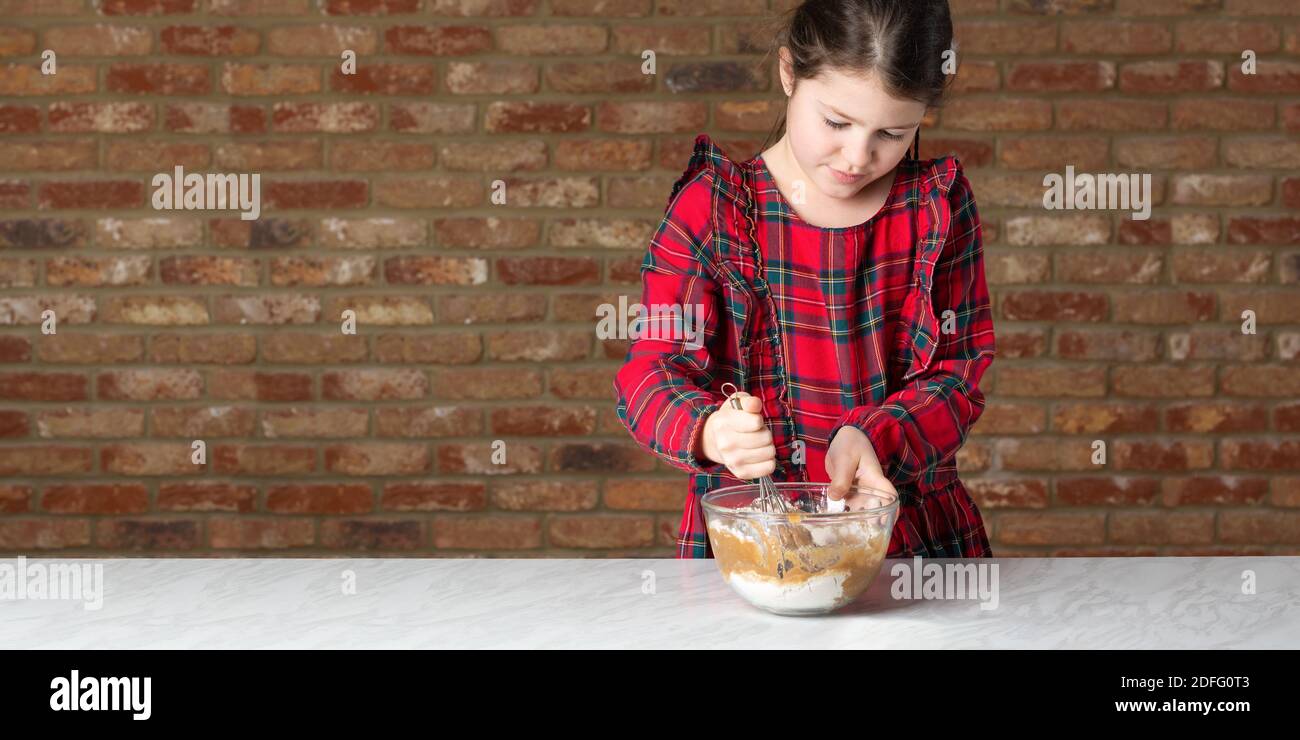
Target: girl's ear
(786, 63)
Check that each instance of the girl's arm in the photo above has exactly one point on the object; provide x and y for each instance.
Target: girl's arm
(661, 387)
(927, 420)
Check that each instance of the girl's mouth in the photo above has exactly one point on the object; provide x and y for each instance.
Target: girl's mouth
(844, 178)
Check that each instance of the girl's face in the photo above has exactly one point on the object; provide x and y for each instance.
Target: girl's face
(840, 124)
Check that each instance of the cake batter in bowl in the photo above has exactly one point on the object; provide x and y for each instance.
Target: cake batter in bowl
(809, 562)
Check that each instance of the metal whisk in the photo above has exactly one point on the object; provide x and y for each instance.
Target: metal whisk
(769, 499)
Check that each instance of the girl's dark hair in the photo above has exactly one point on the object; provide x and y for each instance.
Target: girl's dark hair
(900, 41)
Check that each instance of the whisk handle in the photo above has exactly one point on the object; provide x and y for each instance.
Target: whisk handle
(731, 395)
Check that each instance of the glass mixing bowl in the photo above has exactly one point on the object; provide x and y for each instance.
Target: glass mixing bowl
(810, 562)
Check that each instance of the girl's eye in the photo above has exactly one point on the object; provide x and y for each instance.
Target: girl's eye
(891, 137)
(834, 125)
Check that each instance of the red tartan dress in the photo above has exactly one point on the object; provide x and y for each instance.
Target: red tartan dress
(828, 327)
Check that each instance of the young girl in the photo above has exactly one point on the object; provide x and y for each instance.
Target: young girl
(840, 285)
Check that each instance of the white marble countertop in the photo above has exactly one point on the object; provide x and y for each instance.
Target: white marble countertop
(589, 603)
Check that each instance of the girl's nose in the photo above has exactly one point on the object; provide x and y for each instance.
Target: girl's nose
(858, 159)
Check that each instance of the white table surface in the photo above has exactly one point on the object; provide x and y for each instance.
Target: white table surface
(589, 603)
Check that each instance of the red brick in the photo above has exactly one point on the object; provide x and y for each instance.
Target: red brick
(1115, 37)
(1156, 455)
(1209, 490)
(210, 40)
(1111, 115)
(150, 458)
(214, 118)
(341, 117)
(377, 458)
(543, 421)
(1260, 527)
(95, 498)
(19, 119)
(600, 456)
(1165, 77)
(260, 534)
(437, 40)
(543, 495)
(1221, 113)
(1259, 454)
(1105, 418)
(480, 233)
(261, 460)
(202, 422)
(90, 349)
(548, 270)
(1216, 417)
(269, 79)
(644, 494)
(149, 384)
(260, 386)
(428, 421)
(99, 40)
(1008, 494)
(157, 79)
(594, 383)
(207, 496)
(490, 383)
(91, 194)
(536, 117)
(319, 194)
(148, 534)
(1049, 76)
(320, 498)
(37, 534)
(26, 80)
(1263, 230)
(266, 309)
(14, 499)
(493, 78)
(386, 79)
(1034, 305)
(97, 422)
(441, 347)
(1163, 381)
(651, 117)
(524, 39)
(1272, 77)
(372, 534)
(374, 385)
(487, 532)
(588, 532)
(477, 459)
(30, 386)
(147, 7)
(433, 496)
(324, 422)
(1162, 528)
(1108, 491)
(1051, 528)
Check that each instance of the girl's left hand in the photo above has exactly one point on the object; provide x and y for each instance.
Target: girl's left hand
(851, 460)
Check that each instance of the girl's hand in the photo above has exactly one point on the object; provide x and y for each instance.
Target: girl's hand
(739, 439)
(851, 460)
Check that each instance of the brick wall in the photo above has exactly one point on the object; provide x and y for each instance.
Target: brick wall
(475, 321)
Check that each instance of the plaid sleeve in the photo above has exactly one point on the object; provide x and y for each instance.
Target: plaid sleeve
(925, 422)
(661, 392)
